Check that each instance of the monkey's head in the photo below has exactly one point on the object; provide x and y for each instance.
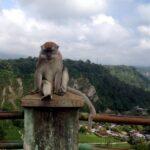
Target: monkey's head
(49, 50)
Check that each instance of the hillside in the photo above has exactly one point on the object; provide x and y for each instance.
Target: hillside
(130, 75)
(108, 90)
(144, 71)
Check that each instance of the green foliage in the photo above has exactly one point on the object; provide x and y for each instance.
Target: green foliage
(92, 138)
(18, 123)
(138, 127)
(145, 71)
(126, 128)
(119, 89)
(83, 130)
(6, 77)
(23, 66)
(107, 125)
(10, 131)
(135, 140)
(8, 106)
(2, 133)
(130, 76)
(28, 83)
(115, 93)
(144, 146)
(147, 129)
(148, 110)
(117, 129)
(5, 65)
(120, 128)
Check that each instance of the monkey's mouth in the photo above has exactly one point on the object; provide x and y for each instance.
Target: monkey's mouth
(49, 57)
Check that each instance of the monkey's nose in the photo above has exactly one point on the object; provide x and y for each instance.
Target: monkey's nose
(49, 54)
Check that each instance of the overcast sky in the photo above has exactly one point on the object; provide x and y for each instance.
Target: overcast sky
(104, 31)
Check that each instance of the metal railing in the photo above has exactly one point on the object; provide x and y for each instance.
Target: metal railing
(119, 119)
(11, 145)
(134, 120)
(12, 116)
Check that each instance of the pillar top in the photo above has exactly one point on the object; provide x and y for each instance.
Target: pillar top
(69, 100)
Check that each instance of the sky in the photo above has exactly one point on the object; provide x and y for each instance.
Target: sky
(115, 32)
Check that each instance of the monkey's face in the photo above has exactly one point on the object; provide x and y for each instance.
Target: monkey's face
(50, 53)
(49, 50)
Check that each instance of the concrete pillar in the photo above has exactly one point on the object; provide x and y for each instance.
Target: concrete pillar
(51, 125)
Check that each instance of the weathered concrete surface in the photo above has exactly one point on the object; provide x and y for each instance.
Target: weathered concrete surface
(68, 100)
(51, 125)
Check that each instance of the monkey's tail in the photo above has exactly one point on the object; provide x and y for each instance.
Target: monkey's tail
(88, 102)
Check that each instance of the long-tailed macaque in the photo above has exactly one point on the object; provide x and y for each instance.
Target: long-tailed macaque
(51, 76)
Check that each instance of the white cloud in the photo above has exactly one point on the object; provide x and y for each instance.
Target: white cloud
(144, 44)
(144, 29)
(23, 34)
(83, 28)
(61, 11)
(19, 34)
(144, 12)
(104, 28)
(102, 19)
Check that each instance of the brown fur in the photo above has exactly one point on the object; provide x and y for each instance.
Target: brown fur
(52, 77)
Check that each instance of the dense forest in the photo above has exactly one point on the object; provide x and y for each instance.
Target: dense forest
(119, 88)
(130, 75)
(144, 71)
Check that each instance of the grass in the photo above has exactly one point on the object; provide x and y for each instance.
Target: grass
(123, 145)
(87, 142)
(92, 138)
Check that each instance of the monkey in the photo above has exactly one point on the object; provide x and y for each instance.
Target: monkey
(51, 76)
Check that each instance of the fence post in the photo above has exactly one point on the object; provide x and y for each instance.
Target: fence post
(51, 125)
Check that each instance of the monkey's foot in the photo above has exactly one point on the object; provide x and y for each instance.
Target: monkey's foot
(46, 98)
(60, 93)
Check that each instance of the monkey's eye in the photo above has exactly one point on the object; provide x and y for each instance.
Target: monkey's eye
(53, 48)
(46, 50)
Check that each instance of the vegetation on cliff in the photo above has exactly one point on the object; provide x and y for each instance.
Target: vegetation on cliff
(118, 88)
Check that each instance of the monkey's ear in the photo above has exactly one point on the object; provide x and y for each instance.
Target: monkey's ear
(42, 47)
(57, 47)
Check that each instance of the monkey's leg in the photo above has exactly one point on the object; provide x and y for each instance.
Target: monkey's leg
(65, 80)
(37, 82)
(46, 90)
(57, 82)
(61, 82)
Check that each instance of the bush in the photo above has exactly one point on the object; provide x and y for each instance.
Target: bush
(144, 146)
(2, 133)
(136, 140)
(83, 130)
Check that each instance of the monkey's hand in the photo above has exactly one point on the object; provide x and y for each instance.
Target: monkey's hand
(60, 92)
(46, 98)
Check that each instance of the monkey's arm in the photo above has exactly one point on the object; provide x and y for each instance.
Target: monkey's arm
(37, 82)
(88, 102)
